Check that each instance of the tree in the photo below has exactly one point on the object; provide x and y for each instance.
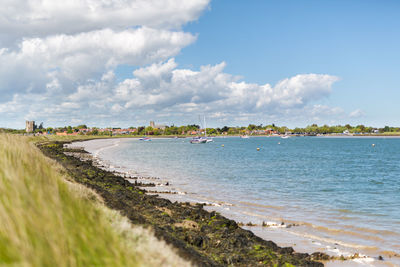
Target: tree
(232, 130)
(211, 131)
(324, 129)
(361, 128)
(149, 130)
(225, 129)
(251, 127)
(298, 130)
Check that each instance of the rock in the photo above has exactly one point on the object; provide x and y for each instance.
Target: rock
(188, 224)
(320, 256)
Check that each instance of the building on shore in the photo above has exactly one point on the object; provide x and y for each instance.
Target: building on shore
(30, 126)
(157, 126)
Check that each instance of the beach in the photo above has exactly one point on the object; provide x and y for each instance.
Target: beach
(202, 237)
(302, 234)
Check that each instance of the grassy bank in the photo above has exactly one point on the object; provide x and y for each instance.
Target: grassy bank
(49, 220)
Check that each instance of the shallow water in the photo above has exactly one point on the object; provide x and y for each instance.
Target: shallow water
(343, 192)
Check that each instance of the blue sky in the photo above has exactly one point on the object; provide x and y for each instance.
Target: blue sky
(265, 41)
(237, 62)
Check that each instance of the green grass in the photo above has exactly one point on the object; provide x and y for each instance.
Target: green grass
(48, 220)
(391, 133)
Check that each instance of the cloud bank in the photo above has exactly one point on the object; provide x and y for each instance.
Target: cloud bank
(58, 62)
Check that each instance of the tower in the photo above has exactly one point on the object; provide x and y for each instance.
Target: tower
(30, 126)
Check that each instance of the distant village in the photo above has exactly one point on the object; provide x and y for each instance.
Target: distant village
(191, 130)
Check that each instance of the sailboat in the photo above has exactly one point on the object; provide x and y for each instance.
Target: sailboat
(201, 139)
(198, 140)
(208, 139)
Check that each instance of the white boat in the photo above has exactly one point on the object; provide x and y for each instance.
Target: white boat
(244, 136)
(198, 140)
(201, 139)
(285, 136)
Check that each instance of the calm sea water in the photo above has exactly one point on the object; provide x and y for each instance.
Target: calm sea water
(344, 192)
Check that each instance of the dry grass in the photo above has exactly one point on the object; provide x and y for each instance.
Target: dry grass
(48, 220)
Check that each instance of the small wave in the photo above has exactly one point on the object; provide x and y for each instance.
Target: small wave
(333, 241)
(339, 232)
(261, 205)
(115, 143)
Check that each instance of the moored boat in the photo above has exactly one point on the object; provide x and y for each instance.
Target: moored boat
(198, 140)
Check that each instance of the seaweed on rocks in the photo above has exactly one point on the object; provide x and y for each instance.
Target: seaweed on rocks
(202, 237)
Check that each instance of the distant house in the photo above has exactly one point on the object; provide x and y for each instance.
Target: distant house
(84, 131)
(270, 131)
(123, 131)
(257, 132)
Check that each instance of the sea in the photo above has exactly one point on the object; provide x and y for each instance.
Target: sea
(337, 195)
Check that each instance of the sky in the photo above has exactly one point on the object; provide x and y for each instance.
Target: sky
(122, 63)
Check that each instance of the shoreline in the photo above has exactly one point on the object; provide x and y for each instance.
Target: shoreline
(206, 238)
(277, 230)
(260, 226)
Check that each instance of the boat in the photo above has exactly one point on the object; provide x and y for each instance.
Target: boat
(285, 136)
(202, 139)
(198, 140)
(208, 139)
(244, 136)
(144, 138)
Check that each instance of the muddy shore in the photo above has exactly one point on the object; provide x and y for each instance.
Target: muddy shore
(202, 237)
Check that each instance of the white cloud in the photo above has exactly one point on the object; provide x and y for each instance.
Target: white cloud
(58, 61)
(49, 46)
(163, 88)
(40, 18)
(69, 60)
(356, 113)
(159, 86)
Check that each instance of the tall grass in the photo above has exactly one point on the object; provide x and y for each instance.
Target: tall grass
(47, 221)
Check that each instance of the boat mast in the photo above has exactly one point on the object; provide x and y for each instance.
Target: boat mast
(205, 126)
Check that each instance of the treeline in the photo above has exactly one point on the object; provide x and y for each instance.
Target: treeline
(325, 129)
(196, 129)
